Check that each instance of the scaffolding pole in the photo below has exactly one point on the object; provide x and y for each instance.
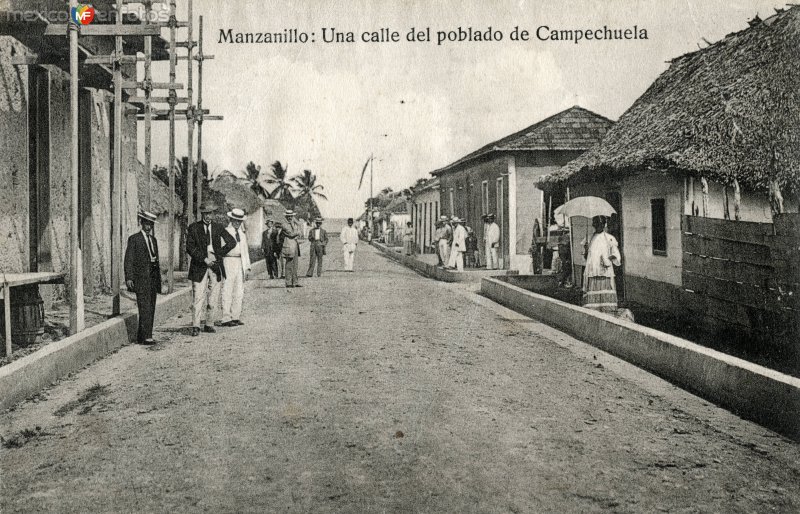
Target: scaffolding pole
(200, 58)
(76, 308)
(116, 181)
(190, 119)
(148, 91)
(173, 23)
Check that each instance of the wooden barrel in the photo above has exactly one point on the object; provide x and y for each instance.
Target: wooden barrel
(27, 315)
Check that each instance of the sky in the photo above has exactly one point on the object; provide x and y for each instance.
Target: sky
(418, 106)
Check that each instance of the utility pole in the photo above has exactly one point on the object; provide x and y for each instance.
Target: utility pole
(116, 181)
(148, 106)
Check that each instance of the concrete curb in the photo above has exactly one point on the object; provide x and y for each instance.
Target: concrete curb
(765, 396)
(31, 374)
(435, 272)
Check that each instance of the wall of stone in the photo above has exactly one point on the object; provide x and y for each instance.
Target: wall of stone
(13, 159)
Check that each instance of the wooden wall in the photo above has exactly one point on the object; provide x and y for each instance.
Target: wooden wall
(744, 275)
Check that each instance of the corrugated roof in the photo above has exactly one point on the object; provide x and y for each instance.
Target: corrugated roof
(728, 111)
(573, 129)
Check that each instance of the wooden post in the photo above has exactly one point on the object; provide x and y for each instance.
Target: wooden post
(200, 59)
(704, 184)
(148, 108)
(7, 315)
(190, 118)
(116, 183)
(170, 167)
(737, 201)
(76, 314)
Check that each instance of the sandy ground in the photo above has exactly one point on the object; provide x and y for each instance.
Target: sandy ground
(382, 391)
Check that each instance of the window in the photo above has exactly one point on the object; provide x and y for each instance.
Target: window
(485, 197)
(452, 203)
(659, 226)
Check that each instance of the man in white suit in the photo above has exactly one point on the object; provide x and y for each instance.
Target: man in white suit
(349, 239)
(459, 245)
(491, 240)
(237, 265)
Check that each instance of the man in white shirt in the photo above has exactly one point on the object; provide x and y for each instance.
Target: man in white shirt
(459, 245)
(349, 238)
(491, 240)
(237, 265)
(444, 240)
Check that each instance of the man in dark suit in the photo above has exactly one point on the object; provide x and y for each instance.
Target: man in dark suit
(277, 244)
(207, 243)
(268, 248)
(319, 240)
(143, 275)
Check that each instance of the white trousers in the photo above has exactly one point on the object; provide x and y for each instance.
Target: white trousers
(349, 255)
(232, 289)
(444, 251)
(206, 293)
(491, 257)
(456, 260)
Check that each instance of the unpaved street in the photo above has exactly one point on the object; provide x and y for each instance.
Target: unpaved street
(381, 391)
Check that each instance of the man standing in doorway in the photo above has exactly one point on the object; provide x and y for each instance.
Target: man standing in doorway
(293, 234)
(318, 238)
(207, 243)
(268, 250)
(349, 238)
(491, 242)
(237, 265)
(143, 275)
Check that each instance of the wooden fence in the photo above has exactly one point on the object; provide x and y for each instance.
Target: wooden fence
(743, 275)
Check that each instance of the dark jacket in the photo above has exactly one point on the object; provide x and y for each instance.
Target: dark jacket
(267, 243)
(146, 275)
(277, 238)
(323, 237)
(197, 248)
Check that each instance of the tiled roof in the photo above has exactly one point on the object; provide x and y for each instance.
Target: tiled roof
(573, 129)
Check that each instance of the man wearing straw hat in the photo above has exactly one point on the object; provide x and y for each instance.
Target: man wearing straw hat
(237, 265)
(459, 245)
(318, 238)
(293, 234)
(143, 275)
(207, 243)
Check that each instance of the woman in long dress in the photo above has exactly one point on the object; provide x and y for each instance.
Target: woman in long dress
(602, 254)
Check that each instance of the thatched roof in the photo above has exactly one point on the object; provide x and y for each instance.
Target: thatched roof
(237, 192)
(728, 111)
(159, 192)
(573, 129)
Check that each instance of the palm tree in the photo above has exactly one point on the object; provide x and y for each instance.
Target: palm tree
(254, 179)
(283, 187)
(306, 184)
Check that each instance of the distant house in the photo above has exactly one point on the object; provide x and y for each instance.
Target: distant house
(715, 136)
(501, 177)
(424, 213)
(396, 215)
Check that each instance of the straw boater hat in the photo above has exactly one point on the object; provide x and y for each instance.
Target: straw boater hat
(490, 216)
(208, 206)
(236, 214)
(289, 213)
(442, 218)
(148, 216)
(318, 220)
(456, 219)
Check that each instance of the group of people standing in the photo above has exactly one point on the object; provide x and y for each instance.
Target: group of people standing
(457, 244)
(220, 264)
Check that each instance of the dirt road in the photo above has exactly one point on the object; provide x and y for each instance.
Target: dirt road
(381, 391)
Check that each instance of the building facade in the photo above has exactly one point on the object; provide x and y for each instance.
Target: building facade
(424, 213)
(501, 179)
